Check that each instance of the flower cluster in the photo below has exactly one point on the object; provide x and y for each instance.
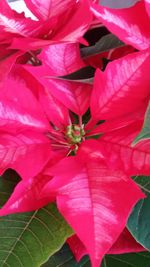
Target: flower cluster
(71, 140)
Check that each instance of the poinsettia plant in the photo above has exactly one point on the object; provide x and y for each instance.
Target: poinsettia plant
(75, 133)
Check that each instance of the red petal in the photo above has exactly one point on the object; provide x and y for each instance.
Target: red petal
(48, 8)
(126, 23)
(116, 146)
(77, 247)
(55, 111)
(62, 59)
(26, 196)
(17, 151)
(94, 194)
(125, 244)
(75, 23)
(23, 130)
(19, 108)
(123, 87)
(13, 24)
(147, 4)
(75, 96)
(117, 123)
(7, 61)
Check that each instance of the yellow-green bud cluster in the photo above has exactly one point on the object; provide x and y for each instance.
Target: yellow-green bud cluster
(75, 133)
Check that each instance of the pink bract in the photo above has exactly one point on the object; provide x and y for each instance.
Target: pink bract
(126, 23)
(28, 35)
(39, 134)
(124, 244)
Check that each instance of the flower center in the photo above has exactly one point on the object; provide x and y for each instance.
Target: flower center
(75, 133)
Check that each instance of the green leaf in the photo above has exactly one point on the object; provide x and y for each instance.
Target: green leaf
(145, 132)
(118, 3)
(64, 258)
(127, 260)
(28, 239)
(105, 44)
(139, 220)
(83, 75)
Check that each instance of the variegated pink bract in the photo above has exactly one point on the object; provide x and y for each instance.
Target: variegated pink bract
(126, 23)
(28, 34)
(44, 138)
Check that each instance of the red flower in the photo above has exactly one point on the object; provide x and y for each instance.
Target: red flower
(124, 244)
(90, 179)
(127, 23)
(28, 35)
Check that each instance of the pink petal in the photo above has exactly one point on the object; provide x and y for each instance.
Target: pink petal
(65, 58)
(117, 123)
(26, 196)
(62, 59)
(90, 192)
(48, 8)
(75, 23)
(126, 23)
(124, 244)
(17, 151)
(23, 130)
(75, 96)
(147, 5)
(7, 62)
(55, 111)
(116, 146)
(19, 108)
(13, 24)
(125, 83)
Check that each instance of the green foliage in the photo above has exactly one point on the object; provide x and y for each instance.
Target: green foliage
(139, 221)
(127, 260)
(64, 258)
(28, 239)
(105, 43)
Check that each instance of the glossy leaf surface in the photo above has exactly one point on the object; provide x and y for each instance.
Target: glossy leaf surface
(139, 221)
(63, 257)
(105, 43)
